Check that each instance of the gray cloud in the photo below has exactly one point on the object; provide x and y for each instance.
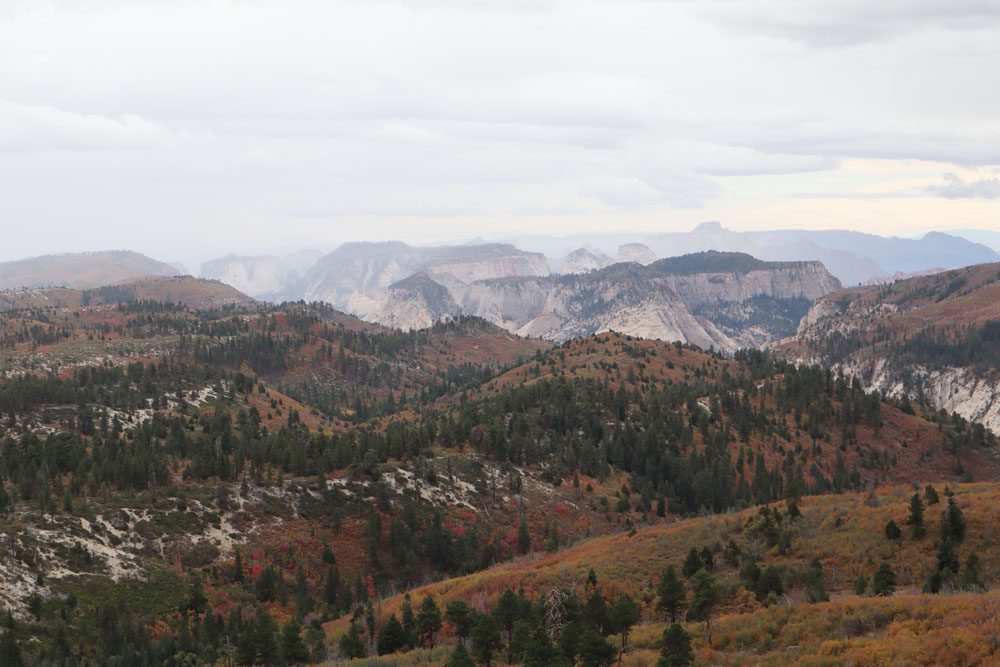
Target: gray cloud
(297, 117)
(956, 187)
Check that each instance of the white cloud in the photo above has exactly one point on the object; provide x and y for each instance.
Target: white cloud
(29, 128)
(955, 187)
(303, 115)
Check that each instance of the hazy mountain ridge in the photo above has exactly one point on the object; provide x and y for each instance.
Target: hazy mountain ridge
(196, 293)
(261, 276)
(80, 270)
(731, 301)
(356, 276)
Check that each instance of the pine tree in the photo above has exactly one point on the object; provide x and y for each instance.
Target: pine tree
(409, 622)
(351, 643)
(970, 575)
(861, 584)
(916, 518)
(675, 647)
(884, 580)
(462, 616)
(947, 560)
(460, 657)
(541, 652)
(692, 563)
(705, 596)
(931, 495)
(595, 651)
(953, 522)
(10, 653)
(293, 650)
(428, 621)
(523, 536)
(815, 589)
(485, 639)
(391, 637)
(624, 615)
(892, 531)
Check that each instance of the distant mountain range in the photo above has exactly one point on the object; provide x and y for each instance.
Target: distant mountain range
(721, 300)
(88, 269)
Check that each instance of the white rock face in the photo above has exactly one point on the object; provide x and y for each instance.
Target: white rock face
(357, 276)
(974, 396)
(636, 252)
(953, 389)
(584, 261)
(253, 276)
(260, 276)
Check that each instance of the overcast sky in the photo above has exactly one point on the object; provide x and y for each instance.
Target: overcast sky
(186, 128)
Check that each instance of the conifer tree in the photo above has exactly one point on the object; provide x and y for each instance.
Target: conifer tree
(916, 518)
(672, 593)
(705, 596)
(692, 563)
(675, 647)
(428, 621)
(884, 580)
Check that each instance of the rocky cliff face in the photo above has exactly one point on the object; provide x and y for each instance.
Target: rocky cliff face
(926, 338)
(750, 304)
(260, 276)
(356, 277)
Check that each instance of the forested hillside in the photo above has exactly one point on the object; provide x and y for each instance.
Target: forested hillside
(265, 483)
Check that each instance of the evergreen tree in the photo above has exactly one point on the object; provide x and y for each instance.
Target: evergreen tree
(351, 643)
(391, 636)
(892, 531)
(460, 657)
(595, 651)
(815, 589)
(861, 584)
(931, 495)
(969, 580)
(705, 596)
(485, 639)
(10, 653)
(541, 652)
(884, 580)
(523, 536)
(293, 649)
(953, 523)
(624, 615)
(947, 559)
(409, 622)
(692, 563)
(769, 584)
(428, 621)
(462, 616)
(916, 518)
(675, 647)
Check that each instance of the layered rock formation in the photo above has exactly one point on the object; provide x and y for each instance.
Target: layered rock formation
(721, 300)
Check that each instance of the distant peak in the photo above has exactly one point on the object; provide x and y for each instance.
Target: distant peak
(710, 226)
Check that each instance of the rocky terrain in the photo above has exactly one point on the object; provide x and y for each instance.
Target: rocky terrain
(720, 300)
(931, 338)
(356, 276)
